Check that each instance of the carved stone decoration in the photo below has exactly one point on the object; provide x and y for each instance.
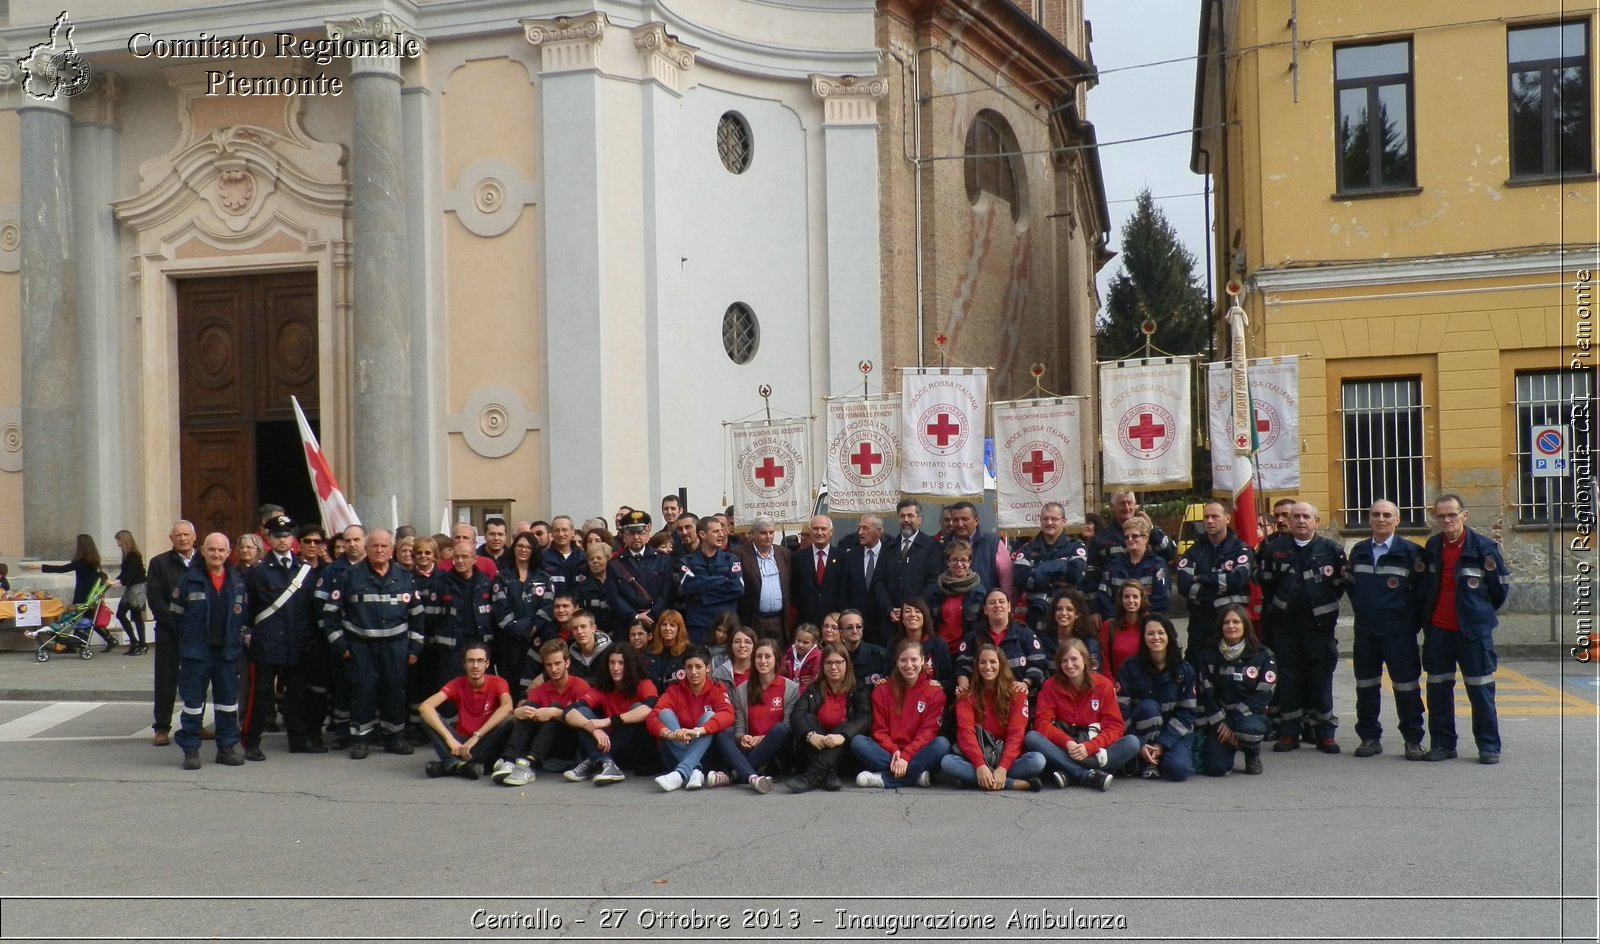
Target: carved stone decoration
(567, 43)
(489, 197)
(236, 189)
(665, 58)
(849, 99)
(494, 422)
(11, 439)
(10, 237)
(379, 27)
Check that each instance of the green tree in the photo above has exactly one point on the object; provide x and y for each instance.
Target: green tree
(1157, 282)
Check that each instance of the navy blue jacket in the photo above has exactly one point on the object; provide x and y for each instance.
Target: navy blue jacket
(1386, 597)
(1022, 649)
(194, 604)
(563, 571)
(516, 607)
(600, 599)
(1302, 584)
(708, 587)
(282, 636)
(1214, 576)
(1151, 571)
(363, 605)
(1481, 583)
(644, 585)
(457, 609)
(1176, 692)
(1233, 690)
(1039, 569)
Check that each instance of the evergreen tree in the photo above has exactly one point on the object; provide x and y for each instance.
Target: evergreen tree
(1157, 282)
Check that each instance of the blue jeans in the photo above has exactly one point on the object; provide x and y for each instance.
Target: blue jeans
(1030, 764)
(490, 743)
(743, 765)
(1118, 753)
(684, 758)
(874, 758)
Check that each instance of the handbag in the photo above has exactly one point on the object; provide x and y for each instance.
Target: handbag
(991, 747)
(102, 617)
(1079, 732)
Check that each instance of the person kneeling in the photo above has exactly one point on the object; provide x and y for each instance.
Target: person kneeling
(483, 703)
(539, 730)
(991, 722)
(1078, 726)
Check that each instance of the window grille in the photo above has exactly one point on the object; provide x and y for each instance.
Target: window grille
(734, 142)
(1383, 449)
(1546, 398)
(741, 333)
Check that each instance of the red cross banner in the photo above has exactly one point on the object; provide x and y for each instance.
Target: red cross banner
(770, 473)
(1275, 399)
(1038, 458)
(1144, 422)
(942, 413)
(336, 511)
(863, 454)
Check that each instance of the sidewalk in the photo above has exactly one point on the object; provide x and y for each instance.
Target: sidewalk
(116, 677)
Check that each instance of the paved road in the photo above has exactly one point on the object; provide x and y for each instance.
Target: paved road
(1362, 848)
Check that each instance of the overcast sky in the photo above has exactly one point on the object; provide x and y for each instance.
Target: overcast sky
(1134, 102)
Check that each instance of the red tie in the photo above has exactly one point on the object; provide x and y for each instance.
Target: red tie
(822, 562)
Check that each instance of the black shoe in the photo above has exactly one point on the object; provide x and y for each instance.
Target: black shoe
(110, 645)
(1440, 753)
(830, 780)
(341, 741)
(1034, 784)
(1098, 780)
(191, 760)
(398, 745)
(1307, 737)
(272, 725)
(466, 769)
(1488, 758)
(143, 648)
(1414, 751)
(804, 783)
(230, 757)
(253, 752)
(1252, 765)
(1285, 745)
(417, 736)
(1330, 746)
(1370, 747)
(307, 747)
(359, 750)
(435, 769)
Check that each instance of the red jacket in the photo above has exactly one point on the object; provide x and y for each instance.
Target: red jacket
(688, 707)
(1097, 705)
(1010, 730)
(915, 724)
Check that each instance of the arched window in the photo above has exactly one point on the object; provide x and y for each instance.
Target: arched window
(993, 165)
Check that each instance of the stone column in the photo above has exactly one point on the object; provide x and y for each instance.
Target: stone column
(855, 287)
(574, 279)
(380, 416)
(52, 408)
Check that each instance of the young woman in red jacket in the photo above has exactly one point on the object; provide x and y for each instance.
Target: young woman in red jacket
(760, 731)
(1120, 635)
(905, 744)
(685, 719)
(834, 709)
(1077, 725)
(991, 721)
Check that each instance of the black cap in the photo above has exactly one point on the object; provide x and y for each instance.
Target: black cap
(636, 521)
(280, 525)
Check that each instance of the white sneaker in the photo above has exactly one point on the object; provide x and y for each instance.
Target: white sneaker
(669, 781)
(502, 770)
(925, 779)
(521, 774)
(696, 780)
(761, 784)
(868, 778)
(717, 778)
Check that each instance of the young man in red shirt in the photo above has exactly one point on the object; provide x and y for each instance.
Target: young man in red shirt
(483, 703)
(539, 729)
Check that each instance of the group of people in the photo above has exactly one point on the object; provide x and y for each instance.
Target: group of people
(890, 657)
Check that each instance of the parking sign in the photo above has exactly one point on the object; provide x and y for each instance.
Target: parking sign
(1550, 451)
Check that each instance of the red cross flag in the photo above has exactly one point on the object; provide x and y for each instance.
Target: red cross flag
(863, 454)
(1144, 421)
(1275, 404)
(336, 512)
(1039, 453)
(770, 471)
(942, 415)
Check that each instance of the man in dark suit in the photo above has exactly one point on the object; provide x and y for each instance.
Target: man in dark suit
(865, 586)
(166, 572)
(818, 571)
(914, 559)
(765, 604)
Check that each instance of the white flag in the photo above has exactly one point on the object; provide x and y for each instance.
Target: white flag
(337, 515)
(1038, 458)
(1144, 422)
(769, 471)
(941, 444)
(1275, 393)
(864, 455)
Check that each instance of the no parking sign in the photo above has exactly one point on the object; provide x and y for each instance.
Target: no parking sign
(1550, 451)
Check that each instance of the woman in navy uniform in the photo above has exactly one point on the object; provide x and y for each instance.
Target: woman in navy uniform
(1237, 678)
(1157, 692)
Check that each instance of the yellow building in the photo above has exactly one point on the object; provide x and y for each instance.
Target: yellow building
(1408, 194)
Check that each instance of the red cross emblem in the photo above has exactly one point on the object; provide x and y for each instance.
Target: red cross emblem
(864, 459)
(769, 472)
(1037, 467)
(1147, 431)
(943, 430)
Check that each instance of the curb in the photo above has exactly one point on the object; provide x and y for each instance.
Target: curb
(64, 694)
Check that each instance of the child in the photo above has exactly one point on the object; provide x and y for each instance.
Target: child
(803, 661)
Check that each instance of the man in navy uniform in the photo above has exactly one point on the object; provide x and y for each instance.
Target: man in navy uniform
(710, 580)
(643, 574)
(1386, 586)
(278, 641)
(208, 604)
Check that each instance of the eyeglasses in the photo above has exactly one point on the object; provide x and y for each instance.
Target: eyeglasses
(1136, 537)
(477, 662)
(311, 541)
(1448, 516)
(834, 662)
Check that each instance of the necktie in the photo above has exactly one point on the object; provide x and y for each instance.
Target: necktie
(905, 544)
(285, 562)
(822, 563)
(872, 561)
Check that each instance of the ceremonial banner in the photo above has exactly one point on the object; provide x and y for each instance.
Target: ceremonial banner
(336, 511)
(1038, 459)
(941, 446)
(1275, 396)
(863, 472)
(769, 471)
(1144, 422)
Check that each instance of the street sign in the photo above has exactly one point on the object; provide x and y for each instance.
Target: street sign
(1550, 451)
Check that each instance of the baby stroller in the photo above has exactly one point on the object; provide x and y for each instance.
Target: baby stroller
(70, 632)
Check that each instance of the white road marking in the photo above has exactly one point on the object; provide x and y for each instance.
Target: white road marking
(44, 719)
